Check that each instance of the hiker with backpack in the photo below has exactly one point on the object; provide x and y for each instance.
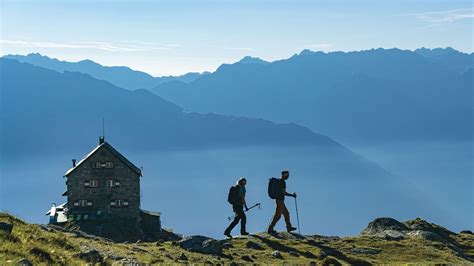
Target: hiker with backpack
(277, 191)
(236, 198)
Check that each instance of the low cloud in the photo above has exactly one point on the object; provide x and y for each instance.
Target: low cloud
(104, 46)
(437, 18)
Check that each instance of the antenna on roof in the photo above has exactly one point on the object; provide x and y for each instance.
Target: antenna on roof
(102, 138)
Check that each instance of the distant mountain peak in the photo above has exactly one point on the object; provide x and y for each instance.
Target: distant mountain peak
(121, 76)
(430, 52)
(307, 52)
(253, 60)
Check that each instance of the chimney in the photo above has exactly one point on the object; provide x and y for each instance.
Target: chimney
(101, 140)
(73, 162)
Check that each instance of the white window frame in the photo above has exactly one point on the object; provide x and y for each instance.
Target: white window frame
(119, 203)
(109, 165)
(93, 183)
(83, 203)
(111, 183)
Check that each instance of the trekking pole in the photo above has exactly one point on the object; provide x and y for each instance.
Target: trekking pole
(259, 205)
(297, 217)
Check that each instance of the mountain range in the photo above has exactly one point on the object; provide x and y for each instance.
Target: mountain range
(357, 97)
(44, 110)
(120, 76)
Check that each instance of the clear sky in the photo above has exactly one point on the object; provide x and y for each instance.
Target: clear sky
(175, 37)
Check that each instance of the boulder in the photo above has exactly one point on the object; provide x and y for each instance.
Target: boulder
(24, 262)
(6, 227)
(202, 244)
(277, 254)
(253, 245)
(91, 256)
(382, 224)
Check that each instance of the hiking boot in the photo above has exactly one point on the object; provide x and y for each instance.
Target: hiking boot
(227, 234)
(244, 234)
(290, 229)
(271, 231)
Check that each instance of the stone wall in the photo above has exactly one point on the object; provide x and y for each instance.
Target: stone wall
(100, 197)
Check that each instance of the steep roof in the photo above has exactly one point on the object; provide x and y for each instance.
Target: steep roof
(111, 149)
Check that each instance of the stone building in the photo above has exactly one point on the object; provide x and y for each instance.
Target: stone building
(103, 197)
(103, 183)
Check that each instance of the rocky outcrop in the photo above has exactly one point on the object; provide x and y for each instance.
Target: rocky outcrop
(383, 224)
(391, 229)
(202, 244)
(24, 262)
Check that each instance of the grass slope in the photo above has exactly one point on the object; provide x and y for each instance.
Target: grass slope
(41, 246)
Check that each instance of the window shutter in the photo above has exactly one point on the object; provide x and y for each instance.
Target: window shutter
(112, 203)
(89, 203)
(76, 203)
(86, 183)
(125, 203)
(117, 183)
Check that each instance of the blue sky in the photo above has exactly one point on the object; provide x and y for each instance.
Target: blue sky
(175, 37)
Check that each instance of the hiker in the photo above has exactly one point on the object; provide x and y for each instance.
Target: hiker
(277, 191)
(236, 197)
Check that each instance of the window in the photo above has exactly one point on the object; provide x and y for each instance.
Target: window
(112, 183)
(102, 165)
(119, 203)
(94, 183)
(91, 183)
(83, 203)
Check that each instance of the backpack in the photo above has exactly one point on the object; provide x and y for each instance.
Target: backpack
(233, 196)
(273, 188)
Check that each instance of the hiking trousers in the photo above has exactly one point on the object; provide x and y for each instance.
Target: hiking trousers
(239, 217)
(280, 209)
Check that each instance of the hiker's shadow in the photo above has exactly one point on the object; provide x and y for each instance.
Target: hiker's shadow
(280, 247)
(335, 253)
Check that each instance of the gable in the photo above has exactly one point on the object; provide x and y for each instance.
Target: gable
(110, 149)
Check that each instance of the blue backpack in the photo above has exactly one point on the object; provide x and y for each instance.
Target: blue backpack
(233, 196)
(274, 188)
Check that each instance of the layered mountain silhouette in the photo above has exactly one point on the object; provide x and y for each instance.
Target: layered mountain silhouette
(120, 76)
(44, 110)
(366, 96)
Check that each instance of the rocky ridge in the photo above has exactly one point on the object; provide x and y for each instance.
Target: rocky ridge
(384, 240)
